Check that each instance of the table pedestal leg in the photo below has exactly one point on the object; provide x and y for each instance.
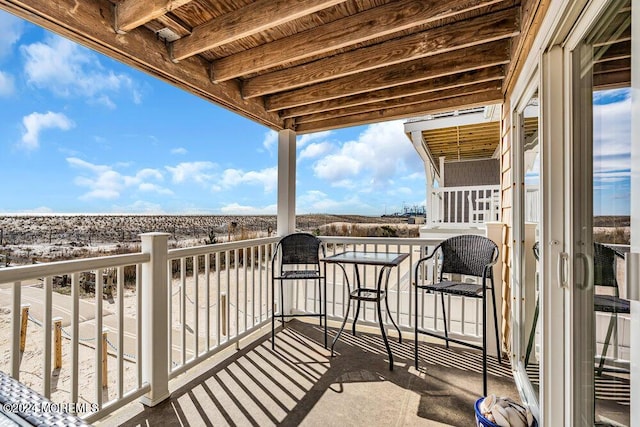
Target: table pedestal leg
(344, 322)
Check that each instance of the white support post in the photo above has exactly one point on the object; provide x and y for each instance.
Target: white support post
(635, 206)
(286, 182)
(416, 139)
(287, 198)
(494, 233)
(155, 318)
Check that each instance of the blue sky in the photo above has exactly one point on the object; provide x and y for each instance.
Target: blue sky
(612, 152)
(80, 132)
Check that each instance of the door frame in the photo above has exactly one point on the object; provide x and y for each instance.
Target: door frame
(519, 336)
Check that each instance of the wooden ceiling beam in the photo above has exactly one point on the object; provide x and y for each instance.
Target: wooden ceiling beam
(91, 24)
(468, 101)
(445, 82)
(615, 80)
(363, 26)
(399, 102)
(251, 19)
(615, 51)
(482, 29)
(130, 14)
(458, 61)
(611, 66)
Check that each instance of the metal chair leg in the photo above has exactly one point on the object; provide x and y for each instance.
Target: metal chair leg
(386, 303)
(606, 345)
(495, 321)
(384, 335)
(273, 315)
(344, 322)
(444, 316)
(532, 334)
(325, 307)
(484, 343)
(415, 337)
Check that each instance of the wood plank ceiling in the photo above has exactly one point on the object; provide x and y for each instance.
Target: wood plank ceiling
(612, 50)
(466, 142)
(306, 65)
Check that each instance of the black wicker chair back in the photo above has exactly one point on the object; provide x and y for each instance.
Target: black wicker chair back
(604, 266)
(300, 249)
(604, 274)
(468, 255)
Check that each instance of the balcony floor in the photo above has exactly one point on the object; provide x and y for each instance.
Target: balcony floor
(299, 384)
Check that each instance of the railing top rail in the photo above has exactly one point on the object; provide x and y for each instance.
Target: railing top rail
(36, 271)
(467, 188)
(220, 247)
(416, 241)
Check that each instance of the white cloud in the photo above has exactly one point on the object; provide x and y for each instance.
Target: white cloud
(68, 69)
(34, 123)
(154, 188)
(12, 28)
(103, 182)
(191, 171)
(380, 154)
(179, 150)
(142, 175)
(315, 201)
(268, 178)
(237, 209)
(311, 137)
(6, 84)
(270, 140)
(316, 150)
(612, 136)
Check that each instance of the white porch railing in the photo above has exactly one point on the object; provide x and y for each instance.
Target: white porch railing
(222, 292)
(214, 296)
(532, 204)
(463, 206)
(83, 325)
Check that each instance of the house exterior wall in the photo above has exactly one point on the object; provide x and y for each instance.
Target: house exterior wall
(532, 13)
(472, 172)
(506, 205)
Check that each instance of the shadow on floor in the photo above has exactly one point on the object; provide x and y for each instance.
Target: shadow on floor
(298, 384)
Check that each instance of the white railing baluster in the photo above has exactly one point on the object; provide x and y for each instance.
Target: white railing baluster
(196, 306)
(245, 266)
(218, 291)
(16, 323)
(253, 251)
(169, 311)
(237, 300)
(120, 310)
(462, 316)
(75, 334)
(207, 291)
(183, 309)
(98, 335)
(139, 326)
(46, 325)
(260, 282)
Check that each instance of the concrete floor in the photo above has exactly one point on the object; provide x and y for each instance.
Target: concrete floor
(299, 384)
